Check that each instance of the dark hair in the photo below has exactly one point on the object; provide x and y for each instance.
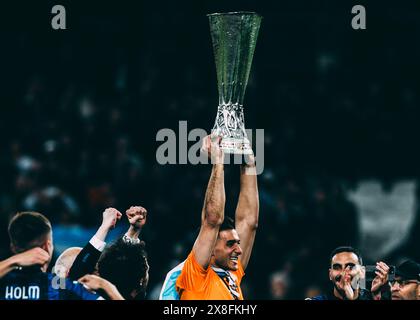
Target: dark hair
(346, 249)
(28, 230)
(124, 265)
(228, 224)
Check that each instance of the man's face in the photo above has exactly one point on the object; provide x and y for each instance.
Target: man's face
(404, 289)
(341, 264)
(227, 250)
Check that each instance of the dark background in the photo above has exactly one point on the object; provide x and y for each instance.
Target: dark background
(81, 108)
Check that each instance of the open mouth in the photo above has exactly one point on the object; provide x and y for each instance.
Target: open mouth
(234, 258)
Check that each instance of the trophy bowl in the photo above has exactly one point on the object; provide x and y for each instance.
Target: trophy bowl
(234, 36)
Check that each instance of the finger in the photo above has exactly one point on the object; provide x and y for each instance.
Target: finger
(41, 251)
(41, 256)
(382, 272)
(381, 269)
(380, 275)
(40, 260)
(45, 255)
(137, 219)
(138, 209)
(384, 266)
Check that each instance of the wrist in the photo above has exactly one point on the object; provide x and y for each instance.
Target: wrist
(102, 232)
(104, 227)
(134, 231)
(218, 169)
(13, 262)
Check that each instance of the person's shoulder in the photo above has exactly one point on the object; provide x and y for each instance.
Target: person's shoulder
(191, 264)
(177, 268)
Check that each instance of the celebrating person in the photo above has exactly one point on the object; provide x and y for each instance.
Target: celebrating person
(215, 267)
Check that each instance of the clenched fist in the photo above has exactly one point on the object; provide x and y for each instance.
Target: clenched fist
(110, 217)
(137, 216)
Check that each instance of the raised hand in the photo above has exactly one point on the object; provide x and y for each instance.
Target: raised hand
(95, 283)
(110, 217)
(347, 286)
(382, 276)
(35, 256)
(211, 147)
(137, 216)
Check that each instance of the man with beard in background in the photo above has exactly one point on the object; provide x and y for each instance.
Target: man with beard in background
(345, 274)
(406, 285)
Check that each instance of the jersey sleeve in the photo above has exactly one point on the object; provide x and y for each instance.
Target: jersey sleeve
(85, 262)
(193, 276)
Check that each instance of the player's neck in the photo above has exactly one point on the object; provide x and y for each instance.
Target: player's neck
(215, 266)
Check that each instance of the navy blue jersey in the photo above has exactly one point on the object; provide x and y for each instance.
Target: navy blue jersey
(33, 284)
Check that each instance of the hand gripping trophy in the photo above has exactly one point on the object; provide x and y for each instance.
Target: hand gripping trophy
(234, 36)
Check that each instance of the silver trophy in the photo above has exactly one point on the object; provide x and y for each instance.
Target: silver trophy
(234, 36)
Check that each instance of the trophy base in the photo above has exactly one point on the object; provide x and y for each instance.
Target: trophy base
(235, 146)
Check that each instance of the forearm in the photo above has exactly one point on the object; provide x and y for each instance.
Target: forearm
(7, 266)
(212, 217)
(248, 202)
(85, 262)
(102, 233)
(133, 232)
(214, 203)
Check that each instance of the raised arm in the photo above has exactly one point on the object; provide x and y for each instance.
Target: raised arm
(212, 214)
(246, 215)
(86, 260)
(137, 217)
(109, 219)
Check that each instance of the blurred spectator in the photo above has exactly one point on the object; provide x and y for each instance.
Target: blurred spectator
(279, 285)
